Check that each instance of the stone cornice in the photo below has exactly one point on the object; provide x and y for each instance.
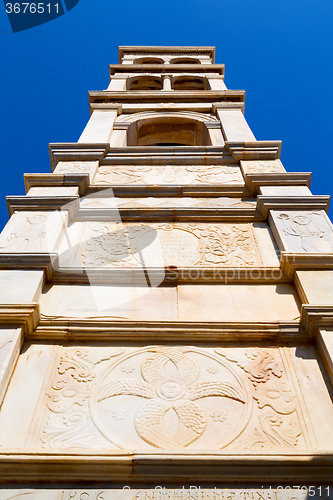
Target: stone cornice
(165, 49)
(256, 180)
(166, 68)
(20, 315)
(314, 317)
(45, 261)
(28, 203)
(76, 151)
(267, 203)
(291, 262)
(255, 150)
(81, 181)
(113, 329)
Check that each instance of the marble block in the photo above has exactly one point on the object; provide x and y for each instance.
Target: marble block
(188, 303)
(53, 191)
(285, 191)
(20, 286)
(262, 166)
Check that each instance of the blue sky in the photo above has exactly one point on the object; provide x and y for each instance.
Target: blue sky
(279, 51)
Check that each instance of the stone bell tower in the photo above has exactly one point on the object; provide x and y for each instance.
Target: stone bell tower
(166, 303)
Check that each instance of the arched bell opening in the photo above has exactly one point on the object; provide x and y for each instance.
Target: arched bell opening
(189, 82)
(145, 82)
(166, 131)
(185, 60)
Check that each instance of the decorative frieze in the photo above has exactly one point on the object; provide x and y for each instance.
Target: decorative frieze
(300, 231)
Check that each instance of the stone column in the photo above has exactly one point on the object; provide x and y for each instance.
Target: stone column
(100, 125)
(119, 134)
(167, 83)
(234, 125)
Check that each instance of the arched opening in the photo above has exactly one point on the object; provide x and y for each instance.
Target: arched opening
(148, 60)
(189, 82)
(169, 131)
(184, 60)
(145, 82)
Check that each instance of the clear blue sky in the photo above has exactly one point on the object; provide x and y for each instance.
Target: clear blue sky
(279, 51)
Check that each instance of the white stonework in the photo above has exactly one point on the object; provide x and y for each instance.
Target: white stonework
(166, 304)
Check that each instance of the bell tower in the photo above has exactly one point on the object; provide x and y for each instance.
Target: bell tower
(166, 304)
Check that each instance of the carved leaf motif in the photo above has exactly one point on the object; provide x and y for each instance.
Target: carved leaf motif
(273, 434)
(66, 431)
(215, 388)
(153, 369)
(74, 361)
(63, 398)
(230, 245)
(192, 422)
(261, 367)
(149, 423)
(128, 387)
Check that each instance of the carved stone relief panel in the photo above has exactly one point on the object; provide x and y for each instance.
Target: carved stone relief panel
(184, 202)
(77, 167)
(169, 397)
(169, 174)
(262, 167)
(113, 244)
(33, 231)
(303, 231)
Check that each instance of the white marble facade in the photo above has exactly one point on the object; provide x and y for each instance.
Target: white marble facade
(166, 304)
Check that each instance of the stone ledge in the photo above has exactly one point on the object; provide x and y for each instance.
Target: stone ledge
(256, 150)
(58, 180)
(254, 181)
(20, 315)
(172, 466)
(75, 151)
(314, 202)
(107, 328)
(314, 317)
(291, 262)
